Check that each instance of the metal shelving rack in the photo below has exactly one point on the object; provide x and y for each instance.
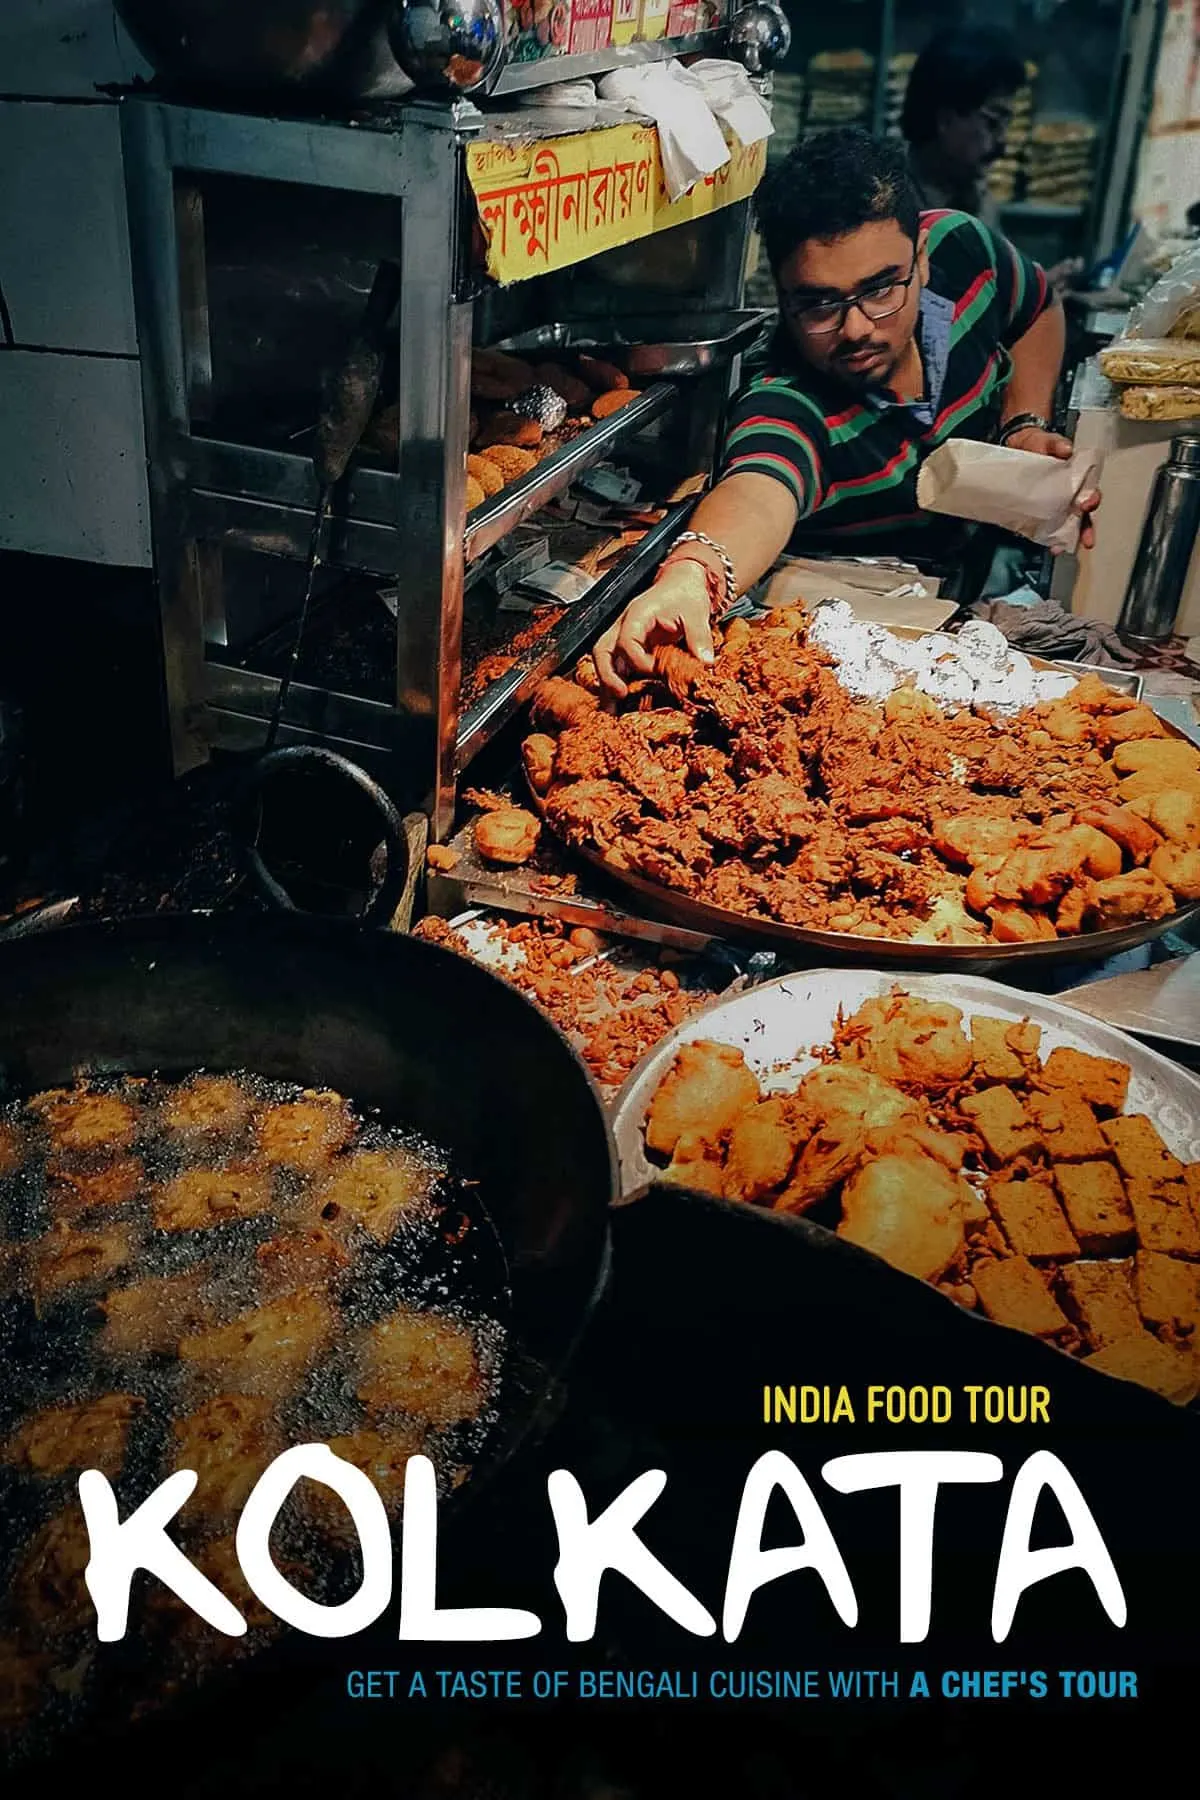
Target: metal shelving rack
(222, 492)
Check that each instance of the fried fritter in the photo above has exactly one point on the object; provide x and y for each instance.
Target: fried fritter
(1137, 722)
(74, 1191)
(301, 1257)
(1100, 1080)
(906, 1039)
(66, 1258)
(305, 1133)
(150, 1316)
(697, 1163)
(48, 1592)
(1175, 812)
(906, 1209)
(90, 1435)
(1178, 867)
(850, 1091)
(560, 704)
(1002, 1122)
(537, 756)
(377, 1189)
(199, 1198)
(1155, 753)
(12, 1150)
(707, 1087)
(996, 1046)
(207, 1104)
(227, 1442)
(383, 1456)
(78, 1121)
(1134, 836)
(508, 837)
(1131, 897)
(263, 1351)
(424, 1365)
(762, 1147)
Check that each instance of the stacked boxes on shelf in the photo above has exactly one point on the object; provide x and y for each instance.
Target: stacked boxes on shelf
(841, 86)
(1061, 155)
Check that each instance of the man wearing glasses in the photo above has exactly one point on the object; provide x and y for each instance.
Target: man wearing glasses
(898, 329)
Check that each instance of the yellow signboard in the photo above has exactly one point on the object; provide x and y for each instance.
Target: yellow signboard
(548, 204)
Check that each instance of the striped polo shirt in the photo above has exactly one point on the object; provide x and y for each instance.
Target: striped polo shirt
(851, 462)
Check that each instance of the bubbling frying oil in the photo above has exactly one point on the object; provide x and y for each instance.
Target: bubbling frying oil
(199, 1274)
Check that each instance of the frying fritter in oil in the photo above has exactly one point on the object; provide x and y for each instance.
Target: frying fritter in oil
(265, 1350)
(48, 1590)
(305, 1133)
(704, 1093)
(76, 1191)
(228, 1442)
(383, 1456)
(424, 1365)
(90, 1435)
(376, 1189)
(207, 1105)
(198, 1198)
(759, 785)
(12, 1150)
(150, 1316)
(66, 1258)
(79, 1121)
(304, 1256)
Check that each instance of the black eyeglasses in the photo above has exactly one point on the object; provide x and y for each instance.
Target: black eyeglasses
(879, 301)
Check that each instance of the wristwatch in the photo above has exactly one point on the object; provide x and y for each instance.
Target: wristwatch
(1025, 421)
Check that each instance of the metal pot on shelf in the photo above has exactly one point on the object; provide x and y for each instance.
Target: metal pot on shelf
(337, 48)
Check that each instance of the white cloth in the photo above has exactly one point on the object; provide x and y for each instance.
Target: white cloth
(727, 88)
(691, 143)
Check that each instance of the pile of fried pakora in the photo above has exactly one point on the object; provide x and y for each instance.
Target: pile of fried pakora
(200, 1274)
(760, 786)
(1019, 1186)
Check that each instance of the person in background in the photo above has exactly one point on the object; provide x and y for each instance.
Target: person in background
(957, 110)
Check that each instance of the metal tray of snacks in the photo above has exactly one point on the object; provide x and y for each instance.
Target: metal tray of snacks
(674, 344)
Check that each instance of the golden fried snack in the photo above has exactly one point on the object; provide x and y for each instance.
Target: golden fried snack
(1031, 1218)
(76, 1191)
(12, 1150)
(1163, 1218)
(1138, 722)
(508, 837)
(707, 1087)
(215, 1105)
(1002, 1122)
(847, 1090)
(1157, 361)
(441, 858)
(377, 1189)
(762, 1148)
(1149, 1362)
(1012, 1292)
(474, 493)
(66, 1258)
(1167, 1290)
(508, 431)
(1096, 1204)
(978, 840)
(576, 393)
(48, 1592)
(90, 1435)
(150, 1316)
(424, 1365)
(483, 470)
(1145, 783)
(907, 1039)
(1100, 1080)
(266, 1350)
(497, 376)
(77, 1120)
(1178, 868)
(834, 1152)
(199, 1198)
(698, 1164)
(382, 1455)
(301, 1256)
(305, 1133)
(1178, 402)
(907, 1210)
(1134, 896)
(1176, 813)
(604, 405)
(511, 460)
(997, 1047)
(1123, 826)
(1140, 1152)
(537, 757)
(227, 1442)
(1067, 1125)
(1099, 1297)
(1014, 925)
(560, 705)
(601, 376)
(1155, 753)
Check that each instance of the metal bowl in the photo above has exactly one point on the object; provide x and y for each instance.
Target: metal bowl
(449, 46)
(335, 47)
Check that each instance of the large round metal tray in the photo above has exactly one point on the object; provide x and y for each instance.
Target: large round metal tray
(976, 958)
(777, 1025)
